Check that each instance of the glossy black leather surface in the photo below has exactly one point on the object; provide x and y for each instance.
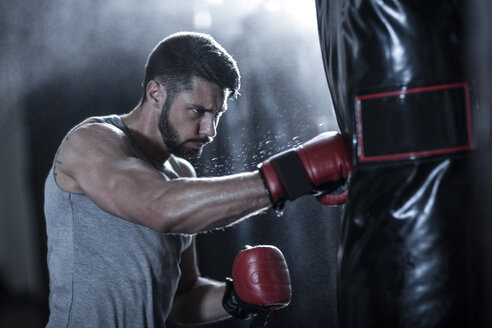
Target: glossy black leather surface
(404, 257)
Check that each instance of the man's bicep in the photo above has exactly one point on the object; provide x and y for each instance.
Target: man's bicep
(119, 186)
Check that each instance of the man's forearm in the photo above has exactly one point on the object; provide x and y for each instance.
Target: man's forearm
(193, 205)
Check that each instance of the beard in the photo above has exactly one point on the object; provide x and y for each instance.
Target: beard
(172, 141)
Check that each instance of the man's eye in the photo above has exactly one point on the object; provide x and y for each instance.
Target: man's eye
(197, 111)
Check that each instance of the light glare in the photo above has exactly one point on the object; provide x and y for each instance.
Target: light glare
(203, 19)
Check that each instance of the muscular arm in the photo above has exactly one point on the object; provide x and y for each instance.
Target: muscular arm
(97, 160)
(198, 299)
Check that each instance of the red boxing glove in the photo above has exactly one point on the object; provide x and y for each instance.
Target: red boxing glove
(260, 282)
(321, 164)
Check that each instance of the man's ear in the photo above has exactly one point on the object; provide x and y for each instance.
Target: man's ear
(156, 94)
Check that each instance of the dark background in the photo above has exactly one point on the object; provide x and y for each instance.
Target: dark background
(63, 61)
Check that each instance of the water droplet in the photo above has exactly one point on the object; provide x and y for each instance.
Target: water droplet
(279, 212)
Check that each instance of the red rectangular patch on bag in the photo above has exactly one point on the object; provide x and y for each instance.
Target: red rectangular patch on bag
(412, 123)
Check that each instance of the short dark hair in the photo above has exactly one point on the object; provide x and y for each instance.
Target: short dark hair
(181, 56)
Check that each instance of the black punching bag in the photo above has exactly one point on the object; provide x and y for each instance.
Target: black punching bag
(397, 75)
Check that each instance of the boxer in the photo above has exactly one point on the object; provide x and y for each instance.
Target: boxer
(122, 203)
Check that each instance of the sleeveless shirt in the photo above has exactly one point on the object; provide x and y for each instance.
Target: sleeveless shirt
(105, 271)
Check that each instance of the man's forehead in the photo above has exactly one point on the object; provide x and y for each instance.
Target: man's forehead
(207, 95)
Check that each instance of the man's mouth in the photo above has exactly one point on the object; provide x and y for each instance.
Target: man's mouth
(195, 143)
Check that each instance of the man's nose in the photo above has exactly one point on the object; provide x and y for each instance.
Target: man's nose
(208, 125)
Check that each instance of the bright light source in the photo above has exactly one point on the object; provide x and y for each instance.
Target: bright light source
(215, 2)
(272, 5)
(304, 11)
(203, 19)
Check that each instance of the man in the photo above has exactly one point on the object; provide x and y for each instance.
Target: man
(122, 207)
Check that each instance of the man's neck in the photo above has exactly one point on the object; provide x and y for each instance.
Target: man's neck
(143, 125)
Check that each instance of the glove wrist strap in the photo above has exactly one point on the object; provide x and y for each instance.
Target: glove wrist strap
(285, 178)
(293, 178)
(233, 304)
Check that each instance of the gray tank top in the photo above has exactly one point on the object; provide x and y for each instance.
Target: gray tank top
(106, 271)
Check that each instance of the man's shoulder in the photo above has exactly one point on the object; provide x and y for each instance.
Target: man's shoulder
(96, 133)
(96, 122)
(90, 143)
(96, 126)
